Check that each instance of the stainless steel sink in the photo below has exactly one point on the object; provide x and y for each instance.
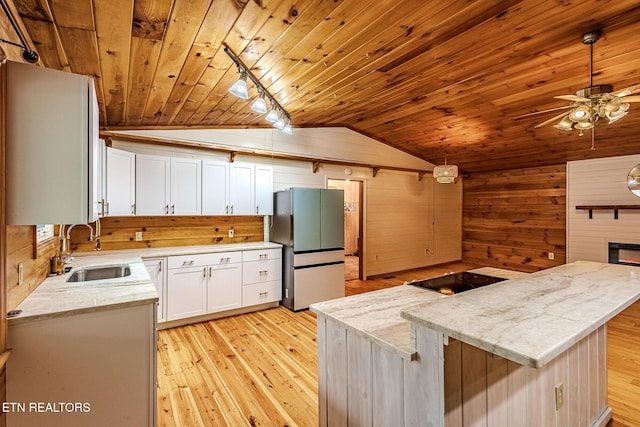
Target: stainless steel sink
(88, 274)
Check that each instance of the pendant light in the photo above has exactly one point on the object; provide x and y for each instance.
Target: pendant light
(445, 174)
(239, 88)
(259, 105)
(272, 115)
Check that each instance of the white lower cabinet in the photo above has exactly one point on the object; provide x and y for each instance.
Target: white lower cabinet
(157, 269)
(261, 276)
(203, 283)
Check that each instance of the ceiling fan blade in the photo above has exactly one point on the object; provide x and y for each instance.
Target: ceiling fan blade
(535, 113)
(575, 98)
(546, 122)
(627, 91)
(635, 98)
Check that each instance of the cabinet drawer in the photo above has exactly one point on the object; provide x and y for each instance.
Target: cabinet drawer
(260, 293)
(261, 271)
(198, 260)
(262, 255)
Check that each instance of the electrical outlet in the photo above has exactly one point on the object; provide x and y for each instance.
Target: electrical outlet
(559, 396)
(231, 232)
(552, 255)
(20, 273)
(138, 236)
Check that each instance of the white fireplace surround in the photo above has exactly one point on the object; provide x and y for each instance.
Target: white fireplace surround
(600, 182)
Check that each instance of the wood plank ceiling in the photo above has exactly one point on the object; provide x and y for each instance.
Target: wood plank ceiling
(410, 73)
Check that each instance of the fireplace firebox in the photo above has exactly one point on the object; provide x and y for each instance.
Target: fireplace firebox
(624, 253)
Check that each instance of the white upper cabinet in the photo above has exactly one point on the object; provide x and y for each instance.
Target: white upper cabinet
(152, 184)
(120, 179)
(186, 190)
(51, 133)
(264, 190)
(168, 186)
(215, 187)
(242, 189)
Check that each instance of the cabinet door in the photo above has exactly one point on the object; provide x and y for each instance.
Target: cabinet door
(152, 185)
(241, 189)
(96, 156)
(186, 292)
(120, 188)
(224, 288)
(186, 186)
(156, 267)
(264, 190)
(215, 188)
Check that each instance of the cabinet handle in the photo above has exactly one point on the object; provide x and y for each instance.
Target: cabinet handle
(107, 208)
(231, 209)
(187, 262)
(264, 272)
(264, 256)
(210, 271)
(159, 266)
(264, 294)
(101, 204)
(133, 209)
(226, 209)
(205, 272)
(173, 209)
(225, 260)
(166, 209)
(257, 210)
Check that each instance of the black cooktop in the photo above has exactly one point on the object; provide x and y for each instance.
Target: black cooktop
(457, 282)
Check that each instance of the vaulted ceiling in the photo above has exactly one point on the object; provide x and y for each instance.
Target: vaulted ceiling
(415, 74)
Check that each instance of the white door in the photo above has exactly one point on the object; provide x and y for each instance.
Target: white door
(241, 189)
(264, 190)
(186, 292)
(152, 185)
(186, 186)
(215, 188)
(120, 186)
(156, 268)
(224, 288)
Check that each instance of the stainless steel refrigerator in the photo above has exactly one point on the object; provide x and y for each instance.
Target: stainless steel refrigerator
(309, 223)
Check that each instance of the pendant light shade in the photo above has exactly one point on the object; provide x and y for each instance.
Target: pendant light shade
(259, 105)
(287, 128)
(239, 88)
(279, 123)
(272, 116)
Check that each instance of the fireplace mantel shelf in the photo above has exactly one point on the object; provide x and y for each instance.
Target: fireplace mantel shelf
(615, 208)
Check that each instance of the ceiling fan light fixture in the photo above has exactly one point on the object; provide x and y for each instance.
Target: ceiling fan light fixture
(239, 88)
(583, 125)
(565, 124)
(580, 114)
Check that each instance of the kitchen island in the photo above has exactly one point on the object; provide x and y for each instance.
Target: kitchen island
(528, 351)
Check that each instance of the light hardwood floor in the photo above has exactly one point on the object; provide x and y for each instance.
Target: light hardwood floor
(259, 369)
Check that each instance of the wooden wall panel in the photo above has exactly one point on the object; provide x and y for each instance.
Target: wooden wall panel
(513, 219)
(20, 241)
(160, 231)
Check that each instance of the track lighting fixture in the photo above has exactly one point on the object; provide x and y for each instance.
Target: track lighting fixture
(27, 54)
(276, 115)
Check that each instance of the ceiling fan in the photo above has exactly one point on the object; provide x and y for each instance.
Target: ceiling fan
(592, 103)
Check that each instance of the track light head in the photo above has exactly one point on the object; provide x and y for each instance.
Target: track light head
(30, 56)
(239, 88)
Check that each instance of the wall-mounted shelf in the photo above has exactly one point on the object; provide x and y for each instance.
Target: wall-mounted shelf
(614, 208)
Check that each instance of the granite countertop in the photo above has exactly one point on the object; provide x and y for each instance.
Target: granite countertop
(185, 250)
(56, 298)
(376, 315)
(534, 319)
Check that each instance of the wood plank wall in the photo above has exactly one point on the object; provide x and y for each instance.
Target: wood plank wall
(165, 231)
(20, 241)
(513, 219)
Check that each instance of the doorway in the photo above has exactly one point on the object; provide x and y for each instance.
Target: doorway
(353, 225)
